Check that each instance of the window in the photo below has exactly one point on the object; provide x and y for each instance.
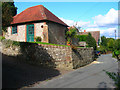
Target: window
(42, 26)
(14, 29)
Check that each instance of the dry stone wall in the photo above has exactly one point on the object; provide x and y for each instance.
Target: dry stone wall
(51, 55)
(82, 57)
(61, 56)
(8, 49)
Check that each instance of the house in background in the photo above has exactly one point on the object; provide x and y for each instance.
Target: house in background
(37, 21)
(95, 35)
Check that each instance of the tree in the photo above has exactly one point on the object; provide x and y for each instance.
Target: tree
(110, 44)
(117, 44)
(91, 41)
(8, 11)
(103, 41)
(102, 49)
(116, 49)
(71, 33)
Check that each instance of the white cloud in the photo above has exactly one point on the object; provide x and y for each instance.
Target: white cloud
(68, 22)
(83, 24)
(79, 23)
(92, 26)
(93, 29)
(110, 32)
(110, 19)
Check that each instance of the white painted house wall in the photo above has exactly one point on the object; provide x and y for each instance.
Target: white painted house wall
(19, 36)
(39, 30)
(21, 32)
(9, 34)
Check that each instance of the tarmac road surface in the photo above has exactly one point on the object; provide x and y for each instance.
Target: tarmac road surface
(90, 76)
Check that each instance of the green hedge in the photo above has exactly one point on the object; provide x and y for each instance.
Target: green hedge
(82, 37)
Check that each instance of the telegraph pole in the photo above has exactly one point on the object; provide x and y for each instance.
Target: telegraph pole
(115, 34)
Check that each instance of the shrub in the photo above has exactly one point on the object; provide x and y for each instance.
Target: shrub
(2, 38)
(102, 49)
(116, 49)
(82, 37)
(117, 44)
(71, 33)
(103, 41)
(110, 45)
(7, 42)
(91, 41)
(117, 52)
(15, 43)
(113, 54)
(38, 39)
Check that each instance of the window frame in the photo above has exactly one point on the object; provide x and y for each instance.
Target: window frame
(13, 31)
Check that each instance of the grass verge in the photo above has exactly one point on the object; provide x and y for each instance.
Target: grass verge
(50, 44)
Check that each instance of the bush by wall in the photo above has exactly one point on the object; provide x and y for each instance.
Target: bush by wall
(82, 37)
(38, 39)
(2, 38)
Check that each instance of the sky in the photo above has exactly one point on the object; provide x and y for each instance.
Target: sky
(90, 16)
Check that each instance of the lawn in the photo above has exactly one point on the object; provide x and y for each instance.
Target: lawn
(50, 44)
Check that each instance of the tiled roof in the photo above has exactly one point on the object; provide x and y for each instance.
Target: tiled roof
(95, 34)
(36, 13)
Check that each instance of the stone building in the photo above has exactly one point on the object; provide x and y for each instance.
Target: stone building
(95, 35)
(37, 21)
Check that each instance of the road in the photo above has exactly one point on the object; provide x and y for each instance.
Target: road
(91, 76)
(16, 74)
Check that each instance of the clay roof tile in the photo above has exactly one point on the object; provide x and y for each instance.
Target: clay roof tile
(36, 13)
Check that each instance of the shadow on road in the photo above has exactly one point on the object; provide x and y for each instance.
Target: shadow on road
(16, 74)
(102, 85)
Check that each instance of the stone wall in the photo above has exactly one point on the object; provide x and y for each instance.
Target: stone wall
(82, 57)
(56, 33)
(8, 49)
(59, 55)
(50, 55)
(65, 57)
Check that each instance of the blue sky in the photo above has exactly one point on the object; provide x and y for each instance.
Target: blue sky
(91, 16)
